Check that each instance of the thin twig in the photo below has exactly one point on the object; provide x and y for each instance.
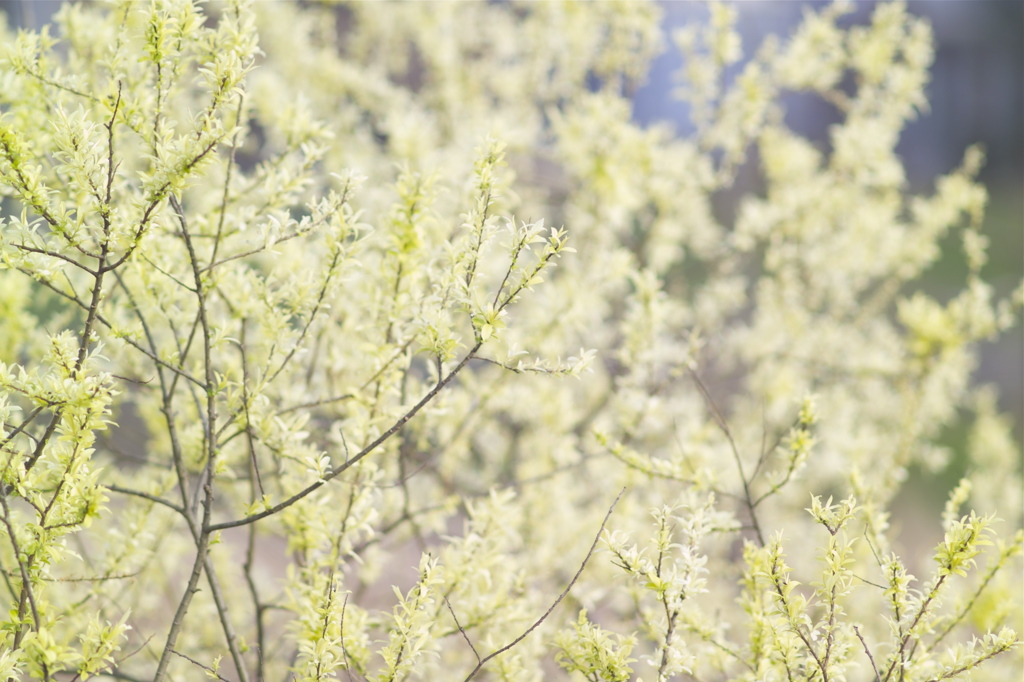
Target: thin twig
(778, 583)
(26, 583)
(95, 579)
(203, 560)
(204, 667)
(958, 618)
(462, 629)
(413, 411)
(341, 636)
(227, 178)
(145, 496)
(897, 656)
(724, 427)
(558, 601)
(180, 371)
(113, 672)
(316, 403)
(878, 678)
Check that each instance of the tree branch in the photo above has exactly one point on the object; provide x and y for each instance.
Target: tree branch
(558, 601)
(413, 411)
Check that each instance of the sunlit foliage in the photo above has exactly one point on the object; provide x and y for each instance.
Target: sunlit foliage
(372, 341)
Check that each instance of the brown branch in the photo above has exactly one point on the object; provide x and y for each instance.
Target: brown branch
(203, 560)
(208, 669)
(898, 655)
(462, 629)
(55, 254)
(26, 583)
(413, 411)
(558, 601)
(724, 427)
(180, 371)
(968, 666)
(227, 178)
(316, 403)
(344, 650)
(878, 678)
(998, 564)
(145, 496)
(777, 581)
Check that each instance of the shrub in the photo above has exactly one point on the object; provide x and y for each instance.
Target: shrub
(290, 318)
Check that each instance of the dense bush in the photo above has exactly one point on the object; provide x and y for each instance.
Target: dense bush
(283, 327)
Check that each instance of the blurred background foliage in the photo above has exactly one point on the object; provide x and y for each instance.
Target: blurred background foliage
(976, 96)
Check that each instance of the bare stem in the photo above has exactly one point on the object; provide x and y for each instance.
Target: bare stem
(413, 411)
(558, 601)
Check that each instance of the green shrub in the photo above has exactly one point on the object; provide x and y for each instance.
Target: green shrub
(289, 317)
